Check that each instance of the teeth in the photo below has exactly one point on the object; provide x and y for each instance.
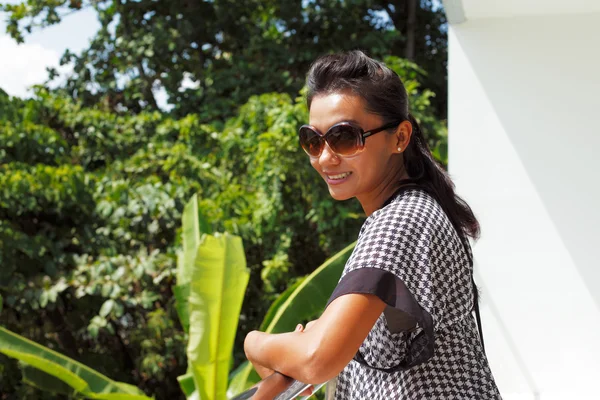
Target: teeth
(340, 176)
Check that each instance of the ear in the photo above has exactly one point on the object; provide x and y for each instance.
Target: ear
(403, 135)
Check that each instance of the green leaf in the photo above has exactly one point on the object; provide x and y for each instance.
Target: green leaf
(44, 381)
(185, 259)
(308, 299)
(81, 378)
(212, 279)
(276, 305)
(44, 299)
(191, 241)
(186, 382)
(193, 228)
(181, 293)
(217, 290)
(106, 307)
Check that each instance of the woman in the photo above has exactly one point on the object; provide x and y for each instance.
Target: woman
(399, 325)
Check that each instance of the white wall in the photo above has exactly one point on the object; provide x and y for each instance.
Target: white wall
(524, 126)
(475, 9)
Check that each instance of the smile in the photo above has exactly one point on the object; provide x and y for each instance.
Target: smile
(339, 176)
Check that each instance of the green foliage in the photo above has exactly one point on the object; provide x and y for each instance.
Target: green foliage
(43, 211)
(435, 130)
(88, 250)
(60, 189)
(79, 377)
(97, 137)
(91, 199)
(31, 143)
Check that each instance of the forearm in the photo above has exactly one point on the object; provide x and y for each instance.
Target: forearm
(262, 371)
(295, 354)
(321, 352)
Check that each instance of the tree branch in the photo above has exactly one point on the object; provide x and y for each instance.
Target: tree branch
(411, 27)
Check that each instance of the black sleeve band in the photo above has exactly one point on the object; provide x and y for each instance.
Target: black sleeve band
(402, 313)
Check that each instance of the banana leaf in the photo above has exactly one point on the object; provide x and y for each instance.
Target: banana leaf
(79, 377)
(186, 382)
(217, 288)
(303, 301)
(194, 227)
(44, 381)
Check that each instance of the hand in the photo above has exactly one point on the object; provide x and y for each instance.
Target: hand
(263, 372)
(271, 387)
(310, 324)
(300, 328)
(260, 369)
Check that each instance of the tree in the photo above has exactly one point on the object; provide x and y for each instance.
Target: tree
(211, 56)
(94, 177)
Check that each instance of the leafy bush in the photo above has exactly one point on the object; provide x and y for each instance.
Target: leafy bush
(90, 202)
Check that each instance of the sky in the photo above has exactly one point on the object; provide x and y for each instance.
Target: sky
(23, 65)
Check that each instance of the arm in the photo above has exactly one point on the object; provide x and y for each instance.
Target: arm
(321, 352)
(263, 371)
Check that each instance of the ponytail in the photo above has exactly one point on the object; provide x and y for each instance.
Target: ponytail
(429, 174)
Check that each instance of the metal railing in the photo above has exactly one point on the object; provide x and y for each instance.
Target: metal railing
(293, 390)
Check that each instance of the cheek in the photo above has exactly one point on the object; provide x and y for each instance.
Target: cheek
(315, 164)
(372, 164)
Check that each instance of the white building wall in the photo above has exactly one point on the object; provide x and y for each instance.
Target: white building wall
(524, 151)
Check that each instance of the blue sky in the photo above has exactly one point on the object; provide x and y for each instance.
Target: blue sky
(24, 65)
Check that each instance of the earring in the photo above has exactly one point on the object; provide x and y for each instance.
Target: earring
(400, 149)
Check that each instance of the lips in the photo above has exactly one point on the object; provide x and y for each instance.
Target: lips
(336, 179)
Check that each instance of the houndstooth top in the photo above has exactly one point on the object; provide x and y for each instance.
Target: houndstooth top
(425, 345)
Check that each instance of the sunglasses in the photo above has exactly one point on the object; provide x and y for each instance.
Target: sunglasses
(344, 138)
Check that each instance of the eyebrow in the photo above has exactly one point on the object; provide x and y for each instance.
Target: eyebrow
(346, 120)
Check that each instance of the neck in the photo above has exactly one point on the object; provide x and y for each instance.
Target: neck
(374, 200)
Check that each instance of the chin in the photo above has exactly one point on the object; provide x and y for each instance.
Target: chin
(339, 195)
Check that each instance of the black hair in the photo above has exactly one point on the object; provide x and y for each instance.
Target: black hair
(385, 95)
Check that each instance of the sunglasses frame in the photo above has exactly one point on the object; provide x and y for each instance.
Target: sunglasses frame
(360, 144)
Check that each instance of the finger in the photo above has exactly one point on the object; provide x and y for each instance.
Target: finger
(271, 387)
(307, 392)
(299, 328)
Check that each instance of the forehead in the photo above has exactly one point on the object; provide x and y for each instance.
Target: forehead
(327, 110)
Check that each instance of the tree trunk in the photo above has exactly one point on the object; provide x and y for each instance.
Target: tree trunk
(147, 81)
(64, 337)
(411, 28)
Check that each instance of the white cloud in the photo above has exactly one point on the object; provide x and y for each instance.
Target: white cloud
(24, 65)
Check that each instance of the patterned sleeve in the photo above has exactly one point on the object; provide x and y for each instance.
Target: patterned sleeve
(404, 254)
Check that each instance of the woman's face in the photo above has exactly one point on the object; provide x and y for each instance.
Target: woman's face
(367, 175)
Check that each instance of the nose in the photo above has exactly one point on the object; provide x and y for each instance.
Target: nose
(328, 157)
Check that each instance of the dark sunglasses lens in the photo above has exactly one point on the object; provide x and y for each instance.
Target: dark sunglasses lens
(344, 139)
(310, 141)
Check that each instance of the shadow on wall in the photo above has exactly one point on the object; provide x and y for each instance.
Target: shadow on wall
(558, 78)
